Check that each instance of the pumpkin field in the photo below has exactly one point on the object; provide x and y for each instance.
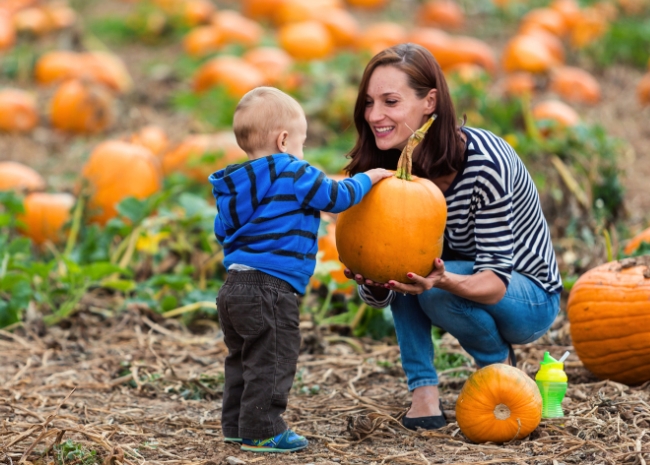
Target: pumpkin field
(113, 113)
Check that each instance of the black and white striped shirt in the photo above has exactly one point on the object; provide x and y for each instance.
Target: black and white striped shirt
(494, 217)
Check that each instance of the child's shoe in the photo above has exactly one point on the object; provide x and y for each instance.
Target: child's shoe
(288, 441)
(233, 440)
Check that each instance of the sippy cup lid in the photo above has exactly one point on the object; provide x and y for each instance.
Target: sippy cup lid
(551, 369)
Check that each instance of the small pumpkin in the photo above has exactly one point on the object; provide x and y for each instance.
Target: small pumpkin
(519, 84)
(643, 89)
(636, 241)
(569, 9)
(33, 21)
(202, 40)
(498, 403)
(116, 170)
(18, 111)
(527, 53)
(152, 137)
(379, 36)
(81, 107)
(106, 68)
(295, 11)
(197, 12)
(466, 50)
(306, 41)
(546, 18)
(589, 27)
(367, 4)
(61, 16)
(45, 215)
(7, 31)
(557, 111)
(549, 40)
(235, 74)
(342, 25)
(56, 66)
(609, 312)
(446, 14)
(198, 156)
(18, 177)
(274, 63)
(397, 228)
(575, 85)
(236, 28)
(259, 9)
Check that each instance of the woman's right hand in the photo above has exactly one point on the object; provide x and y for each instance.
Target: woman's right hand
(361, 280)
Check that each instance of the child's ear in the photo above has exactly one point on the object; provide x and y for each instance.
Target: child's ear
(281, 141)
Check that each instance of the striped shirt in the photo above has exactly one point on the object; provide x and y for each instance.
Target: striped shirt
(494, 217)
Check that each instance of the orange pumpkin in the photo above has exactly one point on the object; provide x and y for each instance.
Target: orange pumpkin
(588, 27)
(643, 90)
(295, 11)
(32, 20)
(237, 29)
(342, 25)
(498, 403)
(519, 84)
(306, 41)
(60, 14)
(199, 156)
(81, 107)
(446, 14)
(527, 53)
(575, 85)
(569, 9)
(367, 4)
(235, 74)
(546, 18)
(7, 31)
(202, 40)
(56, 66)
(259, 9)
(380, 36)
(152, 137)
(463, 49)
(432, 39)
(117, 170)
(549, 40)
(45, 215)
(18, 112)
(609, 312)
(198, 12)
(106, 68)
(18, 177)
(636, 241)
(397, 228)
(274, 63)
(557, 111)
(327, 245)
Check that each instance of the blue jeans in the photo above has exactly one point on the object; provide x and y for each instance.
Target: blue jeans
(485, 331)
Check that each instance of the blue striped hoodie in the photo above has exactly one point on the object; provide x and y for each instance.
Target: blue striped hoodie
(269, 213)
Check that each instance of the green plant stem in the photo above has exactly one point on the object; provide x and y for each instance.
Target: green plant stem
(608, 245)
(325, 307)
(188, 308)
(358, 316)
(76, 226)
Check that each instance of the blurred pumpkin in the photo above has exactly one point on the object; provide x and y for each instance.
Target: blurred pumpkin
(259, 9)
(465, 49)
(432, 39)
(498, 403)
(549, 40)
(274, 63)
(588, 27)
(519, 84)
(237, 29)
(45, 215)
(369, 4)
(569, 9)
(634, 7)
(557, 111)
(527, 53)
(643, 90)
(575, 85)
(466, 73)
(198, 156)
(446, 14)
(60, 14)
(609, 316)
(306, 41)
(342, 25)
(197, 12)
(116, 170)
(57, 65)
(18, 177)
(32, 20)
(607, 9)
(634, 243)
(546, 18)
(106, 68)
(7, 31)
(81, 107)
(152, 137)
(18, 111)
(202, 40)
(235, 74)
(380, 36)
(296, 11)
(327, 245)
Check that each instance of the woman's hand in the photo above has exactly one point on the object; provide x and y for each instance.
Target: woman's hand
(421, 284)
(362, 280)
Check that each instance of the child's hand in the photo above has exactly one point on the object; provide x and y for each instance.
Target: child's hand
(377, 174)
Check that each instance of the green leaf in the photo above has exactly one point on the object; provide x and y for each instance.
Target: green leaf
(122, 285)
(134, 209)
(97, 271)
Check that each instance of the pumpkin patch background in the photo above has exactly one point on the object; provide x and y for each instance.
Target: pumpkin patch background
(113, 113)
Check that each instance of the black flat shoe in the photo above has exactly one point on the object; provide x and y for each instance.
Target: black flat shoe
(512, 358)
(428, 423)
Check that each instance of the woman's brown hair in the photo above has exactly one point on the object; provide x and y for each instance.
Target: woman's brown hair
(442, 150)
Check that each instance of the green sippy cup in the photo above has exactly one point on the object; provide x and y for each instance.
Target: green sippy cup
(552, 383)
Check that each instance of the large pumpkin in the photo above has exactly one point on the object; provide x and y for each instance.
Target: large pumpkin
(7, 31)
(498, 403)
(16, 176)
(44, 217)
(397, 228)
(81, 107)
(609, 312)
(117, 170)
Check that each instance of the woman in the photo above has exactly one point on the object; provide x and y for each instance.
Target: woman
(499, 282)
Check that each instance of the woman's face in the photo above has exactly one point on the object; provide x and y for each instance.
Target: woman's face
(393, 110)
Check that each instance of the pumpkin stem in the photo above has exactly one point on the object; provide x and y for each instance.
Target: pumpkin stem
(405, 163)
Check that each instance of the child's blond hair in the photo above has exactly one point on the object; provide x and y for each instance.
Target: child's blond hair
(260, 114)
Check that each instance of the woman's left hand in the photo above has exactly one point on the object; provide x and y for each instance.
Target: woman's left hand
(421, 284)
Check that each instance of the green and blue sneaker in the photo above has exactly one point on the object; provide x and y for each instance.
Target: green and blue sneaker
(288, 441)
(233, 440)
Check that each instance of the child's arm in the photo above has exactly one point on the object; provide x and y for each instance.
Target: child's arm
(317, 191)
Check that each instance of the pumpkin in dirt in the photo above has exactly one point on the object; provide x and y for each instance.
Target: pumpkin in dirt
(498, 403)
(327, 245)
(233, 73)
(198, 156)
(18, 177)
(106, 68)
(590, 25)
(546, 18)
(466, 50)
(198, 12)
(569, 9)
(446, 14)
(117, 170)
(552, 42)
(609, 312)
(559, 112)
(643, 89)
(18, 112)
(379, 36)
(634, 243)
(81, 107)
(236, 28)
(398, 227)
(274, 63)
(201, 41)
(575, 85)
(57, 65)
(152, 137)
(306, 41)
(45, 215)
(527, 53)
(519, 84)
(7, 31)
(342, 25)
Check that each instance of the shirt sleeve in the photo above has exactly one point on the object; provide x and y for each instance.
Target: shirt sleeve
(369, 299)
(317, 191)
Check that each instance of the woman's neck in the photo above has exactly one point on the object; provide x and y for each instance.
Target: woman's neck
(443, 182)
